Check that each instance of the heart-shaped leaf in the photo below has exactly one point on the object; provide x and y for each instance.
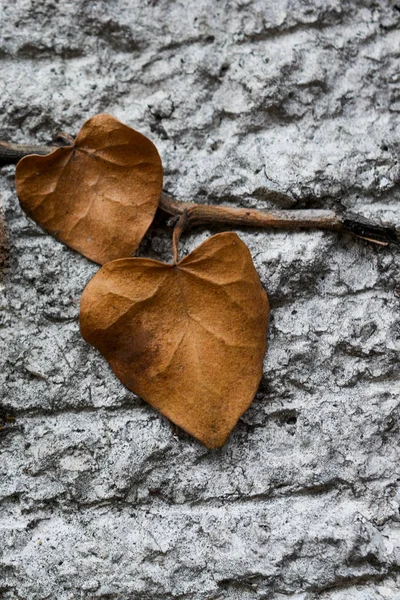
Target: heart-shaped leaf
(98, 196)
(189, 338)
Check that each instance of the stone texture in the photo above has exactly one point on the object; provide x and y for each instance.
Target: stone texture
(100, 498)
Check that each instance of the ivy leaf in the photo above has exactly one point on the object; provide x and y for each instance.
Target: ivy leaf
(189, 338)
(98, 196)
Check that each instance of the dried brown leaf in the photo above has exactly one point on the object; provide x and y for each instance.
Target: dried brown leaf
(98, 196)
(188, 338)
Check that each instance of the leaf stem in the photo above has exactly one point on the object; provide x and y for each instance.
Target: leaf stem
(181, 224)
(205, 214)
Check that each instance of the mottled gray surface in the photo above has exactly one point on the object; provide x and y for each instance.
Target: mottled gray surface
(100, 498)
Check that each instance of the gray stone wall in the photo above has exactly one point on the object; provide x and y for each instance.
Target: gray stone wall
(290, 103)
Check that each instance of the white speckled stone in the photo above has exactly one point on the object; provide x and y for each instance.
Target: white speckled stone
(100, 498)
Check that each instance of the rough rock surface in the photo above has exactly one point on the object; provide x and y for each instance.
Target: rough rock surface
(100, 498)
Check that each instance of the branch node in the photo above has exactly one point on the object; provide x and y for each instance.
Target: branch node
(64, 139)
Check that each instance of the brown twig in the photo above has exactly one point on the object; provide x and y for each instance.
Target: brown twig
(205, 214)
(12, 153)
